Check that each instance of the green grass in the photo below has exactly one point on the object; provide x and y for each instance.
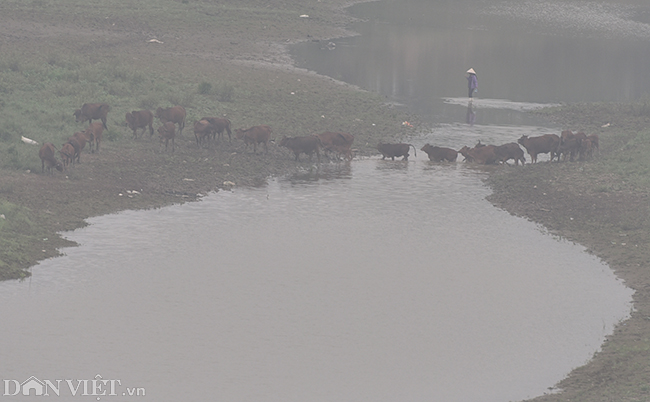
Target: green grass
(17, 231)
(97, 51)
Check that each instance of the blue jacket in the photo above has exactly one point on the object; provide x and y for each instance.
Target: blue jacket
(472, 83)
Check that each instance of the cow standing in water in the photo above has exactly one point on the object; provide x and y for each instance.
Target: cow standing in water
(306, 145)
(509, 151)
(341, 143)
(439, 154)
(395, 150)
(483, 155)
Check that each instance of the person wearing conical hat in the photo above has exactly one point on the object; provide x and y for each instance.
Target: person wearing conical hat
(472, 83)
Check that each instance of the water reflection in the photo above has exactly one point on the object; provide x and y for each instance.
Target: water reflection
(417, 51)
(471, 114)
(325, 171)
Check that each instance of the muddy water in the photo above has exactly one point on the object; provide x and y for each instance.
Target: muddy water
(374, 280)
(417, 51)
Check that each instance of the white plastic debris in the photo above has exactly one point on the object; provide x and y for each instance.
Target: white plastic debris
(28, 141)
(304, 16)
(154, 41)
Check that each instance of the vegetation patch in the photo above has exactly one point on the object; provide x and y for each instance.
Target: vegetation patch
(208, 59)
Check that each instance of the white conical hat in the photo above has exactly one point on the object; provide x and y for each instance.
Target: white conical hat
(471, 71)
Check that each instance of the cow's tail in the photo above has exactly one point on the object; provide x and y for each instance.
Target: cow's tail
(415, 152)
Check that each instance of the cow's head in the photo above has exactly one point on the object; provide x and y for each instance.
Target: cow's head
(130, 120)
(522, 139)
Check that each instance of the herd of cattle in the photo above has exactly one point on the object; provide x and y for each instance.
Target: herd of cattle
(567, 145)
(205, 129)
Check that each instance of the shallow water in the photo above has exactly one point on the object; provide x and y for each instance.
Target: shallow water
(373, 280)
(416, 52)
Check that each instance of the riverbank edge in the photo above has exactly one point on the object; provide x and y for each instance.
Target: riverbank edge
(603, 205)
(37, 209)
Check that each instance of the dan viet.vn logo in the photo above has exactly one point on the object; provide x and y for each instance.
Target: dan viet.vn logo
(96, 387)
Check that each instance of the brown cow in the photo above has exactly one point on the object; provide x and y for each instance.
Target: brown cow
(218, 126)
(167, 132)
(67, 154)
(202, 131)
(395, 150)
(80, 139)
(439, 154)
(175, 114)
(92, 111)
(483, 155)
(46, 153)
(307, 145)
(543, 144)
(569, 145)
(140, 119)
(340, 143)
(509, 151)
(255, 135)
(76, 146)
(94, 135)
(586, 149)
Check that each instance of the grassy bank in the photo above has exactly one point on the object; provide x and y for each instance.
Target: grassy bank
(603, 204)
(58, 55)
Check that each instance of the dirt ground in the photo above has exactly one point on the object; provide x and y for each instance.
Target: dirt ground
(574, 200)
(105, 182)
(588, 202)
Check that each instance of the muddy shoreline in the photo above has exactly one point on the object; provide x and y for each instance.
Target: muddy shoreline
(593, 203)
